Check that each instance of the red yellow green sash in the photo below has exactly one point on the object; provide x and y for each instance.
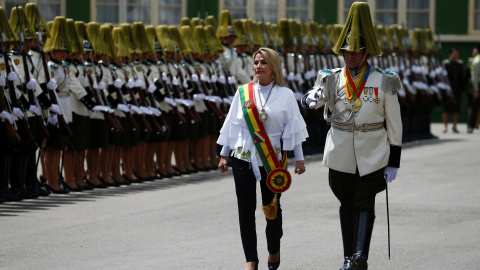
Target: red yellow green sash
(354, 89)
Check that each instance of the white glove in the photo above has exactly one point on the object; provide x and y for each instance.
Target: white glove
(34, 109)
(298, 77)
(185, 84)
(203, 78)
(101, 85)
(3, 82)
(222, 79)
(122, 107)
(138, 83)
(390, 174)
(213, 79)
(175, 81)
(117, 83)
(52, 119)
(12, 76)
(5, 115)
(32, 84)
(145, 110)
(95, 85)
(136, 109)
(164, 76)
(199, 97)
(99, 108)
(170, 101)
(227, 101)
(151, 88)
(110, 110)
(130, 84)
(194, 78)
(52, 84)
(56, 109)
(155, 111)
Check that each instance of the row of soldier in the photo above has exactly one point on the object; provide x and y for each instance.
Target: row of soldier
(102, 105)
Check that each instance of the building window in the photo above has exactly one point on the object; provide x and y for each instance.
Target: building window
(108, 11)
(48, 8)
(418, 12)
(237, 8)
(266, 9)
(138, 11)
(299, 9)
(386, 12)
(170, 12)
(476, 15)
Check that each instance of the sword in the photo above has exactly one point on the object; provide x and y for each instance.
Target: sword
(388, 221)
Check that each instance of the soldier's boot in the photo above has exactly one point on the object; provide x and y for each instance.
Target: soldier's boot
(347, 224)
(363, 235)
(31, 180)
(17, 180)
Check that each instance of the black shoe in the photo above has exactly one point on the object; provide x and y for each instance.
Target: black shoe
(69, 188)
(347, 264)
(273, 266)
(26, 194)
(124, 182)
(359, 262)
(114, 184)
(11, 197)
(37, 189)
(101, 185)
(55, 191)
(139, 179)
(177, 172)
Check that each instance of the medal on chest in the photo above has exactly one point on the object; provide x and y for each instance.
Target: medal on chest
(354, 89)
(263, 114)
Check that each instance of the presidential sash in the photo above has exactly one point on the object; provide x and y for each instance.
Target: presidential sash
(278, 177)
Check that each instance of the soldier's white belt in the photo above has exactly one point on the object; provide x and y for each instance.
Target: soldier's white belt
(350, 127)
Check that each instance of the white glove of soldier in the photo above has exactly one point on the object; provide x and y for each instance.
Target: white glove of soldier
(138, 83)
(101, 85)
(5, 115)
(151, 88)
(52, 119)
(12, 76)
(145, 110)
(117, 83)
(170, 101)
(390, 174)
(3, 82)
(194, 78)
(52, 84)
(130, 84)
(99, 108)
(122, 107)
(95, 85)
(313, 98)
(32, 84)
(199, 97)
(56, 109)
(34, 109)
(136, 109)
(155, 111)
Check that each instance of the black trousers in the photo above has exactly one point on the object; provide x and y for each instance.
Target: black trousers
(245, 188)
(356, 193)
(474, 112)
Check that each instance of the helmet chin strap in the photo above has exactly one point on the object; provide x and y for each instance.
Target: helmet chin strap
(364, 55)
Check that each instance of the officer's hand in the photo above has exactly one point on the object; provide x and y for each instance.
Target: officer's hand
(222, 165)
(300, 167)
(390, 174)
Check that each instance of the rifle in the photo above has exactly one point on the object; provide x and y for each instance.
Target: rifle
(112, 124)
(121, 100)
(62, 123)
(11, 86)
(42, 130)
(165, 128)
(178, 116)
(11, 128)
(145, 126)
(186, 96)
(156, 126)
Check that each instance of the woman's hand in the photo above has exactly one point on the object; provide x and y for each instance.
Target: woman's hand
(222, 165)
(300, 167)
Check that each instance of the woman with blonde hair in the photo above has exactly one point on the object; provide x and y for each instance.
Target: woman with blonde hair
(271, 108)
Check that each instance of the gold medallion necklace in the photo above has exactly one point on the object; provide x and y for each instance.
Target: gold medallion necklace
(263, 115)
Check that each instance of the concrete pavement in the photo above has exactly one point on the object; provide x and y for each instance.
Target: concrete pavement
(191, 222)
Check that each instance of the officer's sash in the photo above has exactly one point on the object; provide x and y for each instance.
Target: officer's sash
(279, 178)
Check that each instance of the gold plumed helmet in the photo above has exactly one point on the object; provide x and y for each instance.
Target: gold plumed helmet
(248, 28)
(127, 30)
(98, 44)
(153, 39)
(284, 34)
(225, 25)
(121, 48)
(140, 38)
(76, 45)
(177, 39)
(213, 42)
(81, 28)
(49, 26)
(196, 21)
(18, 14)
(269, 32)
(106, 33)
(5, 27)
(257, 34)
(165, 39)
(210, 20)
(240, 39)
(199, 36)
(185, 21)
(36, 20)
(418, 41)
(398, 33)
(358, 32)
(188, 39)
(58, 36)
(274, 33)
(296, 32)
(381, 37)
(432, 45)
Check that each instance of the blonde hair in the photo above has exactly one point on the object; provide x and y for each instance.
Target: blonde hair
(273, 60)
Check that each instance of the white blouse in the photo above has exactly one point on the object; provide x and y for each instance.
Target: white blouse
(284, 123)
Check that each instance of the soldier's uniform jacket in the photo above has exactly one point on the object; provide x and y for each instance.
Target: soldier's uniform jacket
(234, 64)
(61, 74)
(361, 141)
(77, 89)
(37, 66)
(163, 106)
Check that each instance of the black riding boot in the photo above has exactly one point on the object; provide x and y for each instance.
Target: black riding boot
(347, 224)
(365, 220)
